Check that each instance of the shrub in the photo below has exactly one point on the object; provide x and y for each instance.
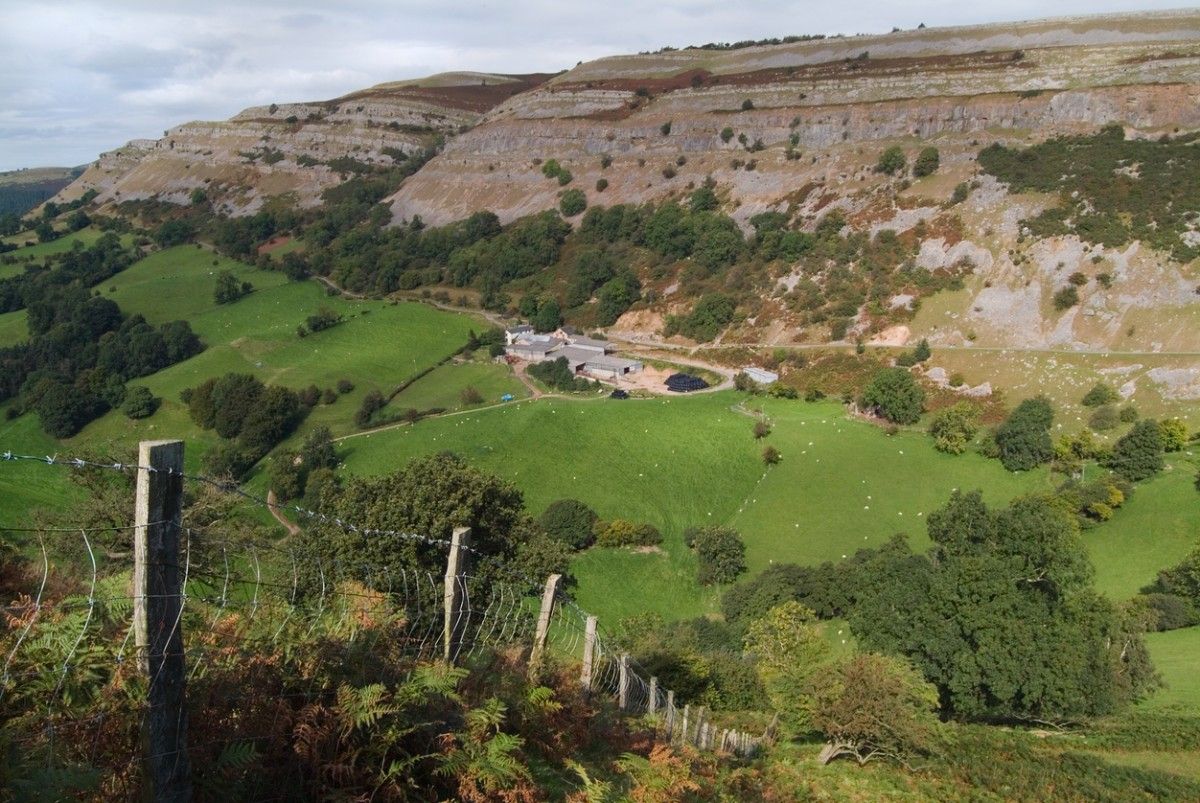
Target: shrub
(1104, 418)
(665, 128)
(1023, 441)
(620, 532)
(1174, 434)
(961, 191)
(572, 202)
(891, 161)
(726, 134)
(1171, 611)
(571, 522)
(893, 394)
(771, 456)
(344, 386)
(953, 428)
(229, 289)
(1128, 414)
(761, 429)
(1101, 393)
(747, 105)
(1066, 298)
(140, 403)
(601, 184)
(470, 395)
(1139, 454)
(329, 396)
(720, 552)
(927, 162)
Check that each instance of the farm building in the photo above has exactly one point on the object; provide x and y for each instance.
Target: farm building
(513, 333)
(760, 375)
(685, 383)
(584, 355)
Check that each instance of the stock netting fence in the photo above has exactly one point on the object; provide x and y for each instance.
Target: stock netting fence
(122, 637)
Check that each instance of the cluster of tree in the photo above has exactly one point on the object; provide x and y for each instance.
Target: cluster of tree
(954, 428)
(720, 553)
(920, 353)
(622, 532)
(711, 314)
(557, 374)
(1002, 618)
(324, 318)
(893, 394)
(229, 289)
(1101, 200)
(250, 416)
(85, 267)
(307, 473)
(1174, 596)
(543, 313)
(600, 272)
(672, 231)
(80, 353)
(1022, 442)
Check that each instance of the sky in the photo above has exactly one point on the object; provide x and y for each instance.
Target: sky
(79, 78)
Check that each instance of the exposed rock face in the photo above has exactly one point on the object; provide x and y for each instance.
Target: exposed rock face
(283, 149)
(957, 85)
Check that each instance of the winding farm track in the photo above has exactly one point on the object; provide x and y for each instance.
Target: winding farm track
(292, 528)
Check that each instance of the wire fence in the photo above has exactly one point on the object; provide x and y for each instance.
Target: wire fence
(79, 665)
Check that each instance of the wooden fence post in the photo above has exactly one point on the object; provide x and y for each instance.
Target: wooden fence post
(699, 726)
(687, 715)
(652, 706)
(670, 715)
(623, 684)
(589, 654)
(543, 623)
(157, 613)
(456, 561)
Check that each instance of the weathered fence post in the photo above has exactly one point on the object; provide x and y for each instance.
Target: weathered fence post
(623, 683)
(699, 727)
(453, 628)
(157, 614)
(687, 715)
(543, 622)
(589, 655)
(670, 715)
(652, 706)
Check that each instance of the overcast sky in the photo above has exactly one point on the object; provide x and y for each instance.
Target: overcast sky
(78, 78)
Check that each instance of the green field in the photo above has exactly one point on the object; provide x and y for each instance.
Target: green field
(844, 485)
(65, 243)
(673, 462)
(377, 347)
(442, 387)
(12, 328)
(1174, 654)
(1156, 528)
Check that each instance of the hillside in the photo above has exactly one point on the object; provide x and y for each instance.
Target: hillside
(21, 190)
(286, 149)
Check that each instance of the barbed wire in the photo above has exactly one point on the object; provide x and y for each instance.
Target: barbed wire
(495, 615)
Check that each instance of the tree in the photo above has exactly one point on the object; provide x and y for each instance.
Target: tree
(229, 289)
(1002, 618)
(1101, 393)
(894, 394)
(1104, 418)
(1066, 298)
(1174, 434)
(140, 402)
(953, 428)
(720, 552)
(1023, 440)
(1139, 454)
(927, 162)
(789, 650)
(872, 706)
(548, 317)
(429, 497)
(571, 522)
(703, 199)
(726, 134)
(891, 161)
(572, 202)
(318, 450)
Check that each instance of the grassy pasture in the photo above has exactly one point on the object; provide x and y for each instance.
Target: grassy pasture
(443, 386)
(1174, 654)
(13, 329)
(378, 346)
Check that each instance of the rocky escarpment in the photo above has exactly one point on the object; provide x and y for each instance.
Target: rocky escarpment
(827, 96)
(292, 149)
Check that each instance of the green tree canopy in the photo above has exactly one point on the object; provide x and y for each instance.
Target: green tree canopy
(894, 394)
(1139, 453)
